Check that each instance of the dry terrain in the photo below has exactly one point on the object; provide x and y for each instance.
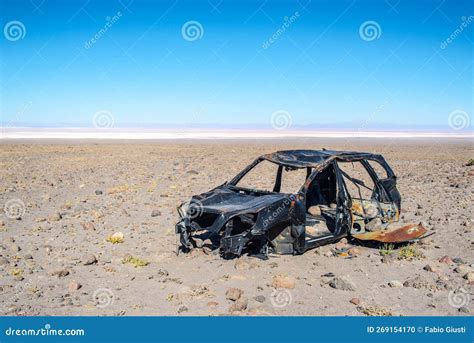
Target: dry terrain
(57, 258)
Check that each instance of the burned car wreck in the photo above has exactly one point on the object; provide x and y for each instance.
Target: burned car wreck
(336, 194)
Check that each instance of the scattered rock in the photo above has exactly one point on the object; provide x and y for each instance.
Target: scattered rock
(390, 258)
(461, 269)
(281, 281)
(446, 259)
(343, 283)
(98, 192)
(353, 252)
(74, 286)
(260, 298)
(182, 308)
(89, 259)
(314, 211)
(212, 303)
(233, 294)
(28, 257)
(329, 253)
(375, 311)
(374, 225)
(239, 305)
(88, 226)
(163, 272)
(155, 213)
(464, 309)
(355, 301)
(60, 273)
(192, 172)
(330, 274)
(395, 284)
(55, 217)
(469, 276)
(420, 282)
(458, 260)
(341, 246)
(430, 268)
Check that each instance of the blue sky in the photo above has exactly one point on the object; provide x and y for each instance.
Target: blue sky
(322, 68)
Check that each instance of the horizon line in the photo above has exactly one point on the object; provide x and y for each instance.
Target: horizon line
(146, 134)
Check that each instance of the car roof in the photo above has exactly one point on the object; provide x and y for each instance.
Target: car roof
(315, 158)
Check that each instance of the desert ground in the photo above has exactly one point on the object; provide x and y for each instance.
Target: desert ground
(56, 258)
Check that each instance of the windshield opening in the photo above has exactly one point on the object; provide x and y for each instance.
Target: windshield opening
(270, 177)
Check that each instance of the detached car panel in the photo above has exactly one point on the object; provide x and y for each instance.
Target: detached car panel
(329, 204)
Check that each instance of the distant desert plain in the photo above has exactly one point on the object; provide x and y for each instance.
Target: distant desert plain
(57, 258)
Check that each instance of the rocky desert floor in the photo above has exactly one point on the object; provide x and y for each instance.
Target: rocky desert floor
(63, 200)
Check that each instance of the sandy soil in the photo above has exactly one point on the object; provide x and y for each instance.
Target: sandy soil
(55, 259)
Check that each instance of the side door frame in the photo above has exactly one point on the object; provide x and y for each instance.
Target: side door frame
(342, 211)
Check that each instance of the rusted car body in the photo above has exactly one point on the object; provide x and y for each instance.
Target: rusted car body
(239, 219)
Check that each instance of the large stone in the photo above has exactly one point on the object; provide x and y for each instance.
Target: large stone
(469, 276)
(239, 305)
(74, 286)
(233, 294)
(343, 283)
(60, 273)
(314, 211)
(395, 284)
(446, 259)
(155, 213)
(374, 225)
(89, 259)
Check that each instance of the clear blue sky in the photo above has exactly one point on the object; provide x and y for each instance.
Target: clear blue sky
(322, 68)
